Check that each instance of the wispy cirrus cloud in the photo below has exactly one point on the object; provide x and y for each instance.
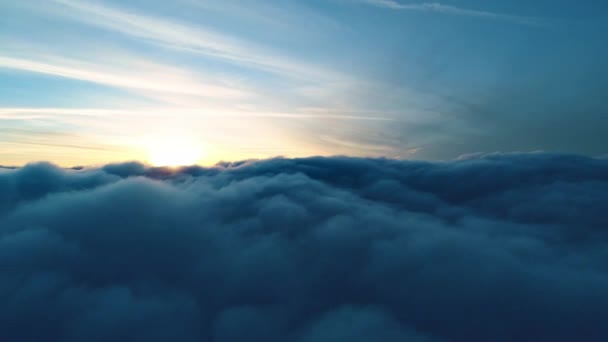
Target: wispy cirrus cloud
(191, 38)
(40, 112)
(455, 10)
(148, 77)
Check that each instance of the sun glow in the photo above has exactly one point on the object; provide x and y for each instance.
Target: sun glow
(174, 152)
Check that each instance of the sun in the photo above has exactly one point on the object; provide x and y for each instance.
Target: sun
(174, 152)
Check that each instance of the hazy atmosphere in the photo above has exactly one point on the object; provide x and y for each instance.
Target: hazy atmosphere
(307, 171)
(84, 82)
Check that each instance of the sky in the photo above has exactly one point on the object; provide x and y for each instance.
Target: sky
(367, 170)
(197, 81)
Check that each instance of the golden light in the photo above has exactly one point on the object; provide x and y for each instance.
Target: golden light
(174, 152)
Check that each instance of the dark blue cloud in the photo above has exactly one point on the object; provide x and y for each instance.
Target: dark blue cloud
(503, 247)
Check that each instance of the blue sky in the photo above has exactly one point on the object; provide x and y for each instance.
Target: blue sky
(86, 82)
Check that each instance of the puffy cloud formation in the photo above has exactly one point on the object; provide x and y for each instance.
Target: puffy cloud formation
(509, 247)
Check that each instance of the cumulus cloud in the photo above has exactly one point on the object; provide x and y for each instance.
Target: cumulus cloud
(502, 247)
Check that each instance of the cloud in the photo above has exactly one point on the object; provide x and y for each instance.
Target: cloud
(191, 38)
(157, 78)
(33, 113)
(500, 247)
(449, 9)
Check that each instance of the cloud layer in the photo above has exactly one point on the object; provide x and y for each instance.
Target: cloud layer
(486, 248)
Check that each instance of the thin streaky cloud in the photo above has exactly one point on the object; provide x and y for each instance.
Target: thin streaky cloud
(17, 112)
(81, 147)
(134, 79)
(190, 38)
(277, 15)
(449, 9)
(51, 138)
